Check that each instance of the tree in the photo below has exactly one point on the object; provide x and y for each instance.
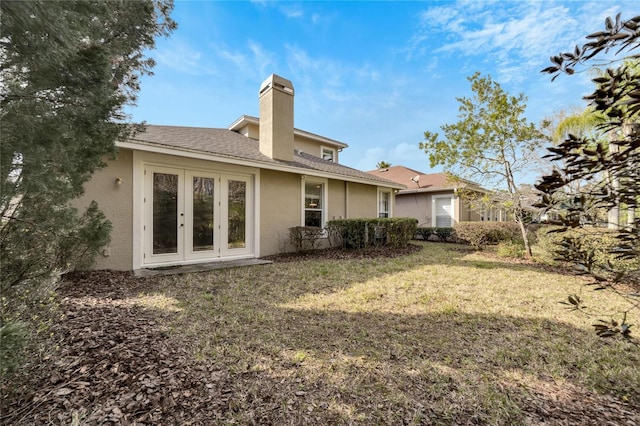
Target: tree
(383, 165)
(490, 144)
(581, 157)
(67, 69)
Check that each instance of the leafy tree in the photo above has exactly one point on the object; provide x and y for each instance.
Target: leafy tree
(383, 165)
(581, 157)
(67, 69)
(582, 123)
(490, 144)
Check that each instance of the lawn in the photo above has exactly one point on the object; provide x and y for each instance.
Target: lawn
(441, 336)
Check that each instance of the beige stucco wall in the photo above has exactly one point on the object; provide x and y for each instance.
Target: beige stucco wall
(115, 201)
(281, 206)
(337, 202)
(280, 209)
(280, 202)
(312, 147)
(362, 200)
(416, 205)
(468, 215)
(276, 121)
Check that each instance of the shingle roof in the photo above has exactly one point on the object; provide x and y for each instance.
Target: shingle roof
(418, 181)
(232, 145)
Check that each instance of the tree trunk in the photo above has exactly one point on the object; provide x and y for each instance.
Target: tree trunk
(525, 238)
(613, 218)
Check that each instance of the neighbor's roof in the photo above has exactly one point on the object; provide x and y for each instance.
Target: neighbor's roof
(231, 147)
(416, 181)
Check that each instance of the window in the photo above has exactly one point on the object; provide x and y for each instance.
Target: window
(314, 204)
(384, 204)
(328, 154)
(442, 211)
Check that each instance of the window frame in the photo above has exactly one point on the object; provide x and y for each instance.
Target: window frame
(389, 212)
(434, 216)
(334, 153)
(324, 200)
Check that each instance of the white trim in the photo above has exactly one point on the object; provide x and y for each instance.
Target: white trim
(433, 208)
(138, 210)
(186, 153)
(334, 156)
(325, 197)
(189, 253)
(144, 160)
(250, 234)
(388, 191)
(256, 213)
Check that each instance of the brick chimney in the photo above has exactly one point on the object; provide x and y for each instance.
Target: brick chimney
(276, 118)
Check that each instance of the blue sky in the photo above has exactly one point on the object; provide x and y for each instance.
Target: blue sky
(374, 75)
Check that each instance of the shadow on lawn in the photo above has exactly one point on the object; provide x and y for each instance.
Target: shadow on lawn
(391, 369)
(241, 351)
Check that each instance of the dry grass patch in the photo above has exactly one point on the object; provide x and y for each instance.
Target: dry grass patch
(440, 336)
(444, 335)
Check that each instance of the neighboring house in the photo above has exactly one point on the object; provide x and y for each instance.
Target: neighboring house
(179, 195)
(432, 198)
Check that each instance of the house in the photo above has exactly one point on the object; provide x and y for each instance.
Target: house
(180, 195)
(433, 199)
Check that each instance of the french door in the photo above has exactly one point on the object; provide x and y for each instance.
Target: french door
(192, 215)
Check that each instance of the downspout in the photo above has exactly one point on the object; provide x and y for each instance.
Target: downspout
(346, 199)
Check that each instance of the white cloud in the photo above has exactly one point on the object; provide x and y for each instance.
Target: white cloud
(520, 36)
(292, 11)
(251, 60)
(182, 57)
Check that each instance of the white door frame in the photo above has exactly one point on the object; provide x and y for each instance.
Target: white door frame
(185, 253)
(149, 255)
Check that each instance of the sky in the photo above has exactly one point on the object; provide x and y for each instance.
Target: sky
(372, 74)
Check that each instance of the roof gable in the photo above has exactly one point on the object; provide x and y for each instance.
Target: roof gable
(247, 120)
(418, 181)
(234, 147)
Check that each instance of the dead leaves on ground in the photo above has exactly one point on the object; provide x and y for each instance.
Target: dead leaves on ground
(118, 363)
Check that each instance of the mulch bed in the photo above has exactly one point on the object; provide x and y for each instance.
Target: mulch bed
(116, 364)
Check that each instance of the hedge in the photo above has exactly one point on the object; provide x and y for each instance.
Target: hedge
(480, 234)
(597, 242)
(363, 233)
(442, 233)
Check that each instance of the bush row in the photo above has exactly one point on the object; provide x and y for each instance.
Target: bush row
(363, 233)
(436, 233)
(597, 243)
(480, 234)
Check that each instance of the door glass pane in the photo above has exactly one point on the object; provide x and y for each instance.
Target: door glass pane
(203, 219)
(165, 213)
(237, 214)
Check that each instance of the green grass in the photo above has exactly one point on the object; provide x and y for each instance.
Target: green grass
(443, 336)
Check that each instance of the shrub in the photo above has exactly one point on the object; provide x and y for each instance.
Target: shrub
(442, 233)
(512, 248)
(480, 234)
(596, 242)
(363, 233)
(305, 237)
